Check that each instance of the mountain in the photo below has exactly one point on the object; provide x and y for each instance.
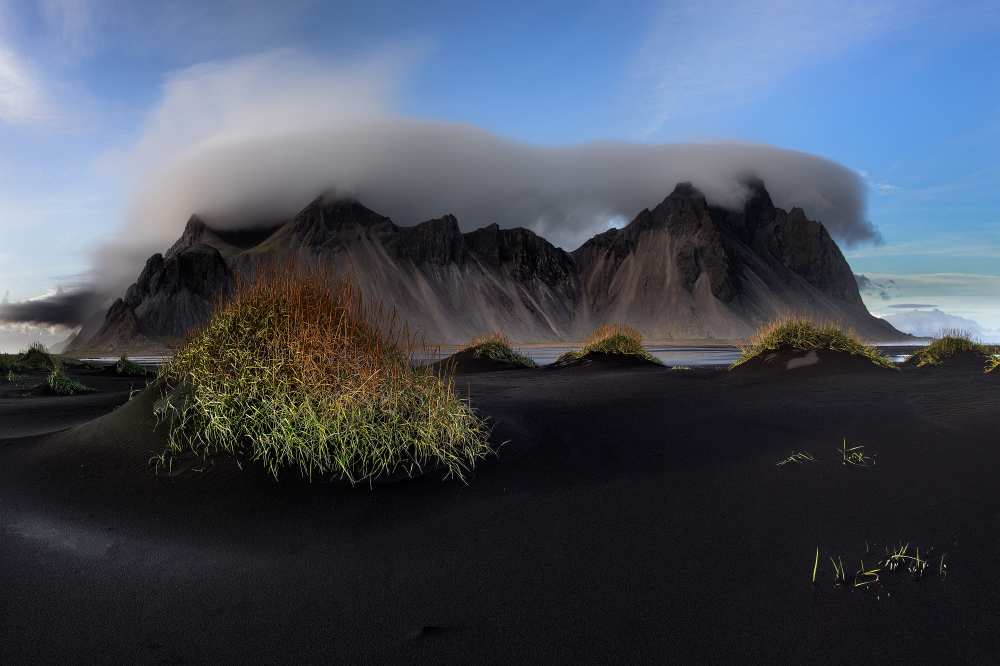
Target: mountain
(684, 269)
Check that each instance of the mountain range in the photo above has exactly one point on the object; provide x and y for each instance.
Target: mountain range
(684, 269)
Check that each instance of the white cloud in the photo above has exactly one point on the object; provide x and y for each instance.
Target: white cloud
(702, 55)
(975, 297)
(22, 99)
(253, 139)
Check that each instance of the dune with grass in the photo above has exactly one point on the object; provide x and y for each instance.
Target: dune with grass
(952, 348)
(614, 342)
(485, 353)
(793, 343)
(295, 372)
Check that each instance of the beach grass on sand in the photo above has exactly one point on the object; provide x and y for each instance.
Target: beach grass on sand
(992, 363)
(948, 345)
(802, 334)
(35, 358)
(611, 339)
(497, 347)
(295, 371)
(61, 384)
(126, 367)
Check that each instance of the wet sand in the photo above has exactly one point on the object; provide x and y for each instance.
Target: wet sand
(636, 514)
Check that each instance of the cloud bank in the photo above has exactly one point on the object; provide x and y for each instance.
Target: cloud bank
(251, 141)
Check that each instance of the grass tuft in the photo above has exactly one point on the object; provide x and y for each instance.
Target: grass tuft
(992, 363)
(297, 373)
(948, 345)
(806, 335)
(797, 458)
(855, 456)
(59, 383)
(616, 339)
(34, 359)
(128, 368)
(497, 347)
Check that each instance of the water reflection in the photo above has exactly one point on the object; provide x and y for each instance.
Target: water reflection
(679, 355)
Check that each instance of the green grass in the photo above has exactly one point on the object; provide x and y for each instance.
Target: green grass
(992, 363)
(34, 359)
(855, 456)
(128, 368)
(59, 383)
(948, 345)
(296, 373)
(895, 560)
(806, 335)
(797, 458)
(613, 339)
(497, 347)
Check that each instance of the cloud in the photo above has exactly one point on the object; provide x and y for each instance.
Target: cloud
(64, 307)
(975, 297)
(252, 140)
(21, 95)
(934, 323)
(745, 47)
(884, 289)
(912, 306)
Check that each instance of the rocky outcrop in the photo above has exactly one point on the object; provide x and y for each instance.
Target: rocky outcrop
(173, 295)
(684, 269)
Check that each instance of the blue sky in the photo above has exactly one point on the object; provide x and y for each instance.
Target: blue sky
(904, 93)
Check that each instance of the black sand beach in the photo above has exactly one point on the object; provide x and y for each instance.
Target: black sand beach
(637, 515)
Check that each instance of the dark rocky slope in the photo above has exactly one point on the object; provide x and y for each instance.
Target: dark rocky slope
(683, 269)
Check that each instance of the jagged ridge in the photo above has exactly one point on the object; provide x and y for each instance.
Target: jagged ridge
(683, 269)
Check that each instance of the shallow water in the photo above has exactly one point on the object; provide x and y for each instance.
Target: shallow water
(679, 355)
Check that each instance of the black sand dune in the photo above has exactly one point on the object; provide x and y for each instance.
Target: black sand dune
(603, 361)
(466, 362)
(968, 361)
(637, 515)
(822, 363)
(26, 409)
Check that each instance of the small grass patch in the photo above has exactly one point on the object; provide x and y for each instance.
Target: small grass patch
(497, 347)
(797, 458)
(806, 335)
(855, 456)
(128, 368)
(612, 339)
(948, 345)
(992, 363)
(34, 359)
(894, 561)
(297, 373)
(59, 383)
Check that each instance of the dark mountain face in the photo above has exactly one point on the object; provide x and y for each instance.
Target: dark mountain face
(682, 269)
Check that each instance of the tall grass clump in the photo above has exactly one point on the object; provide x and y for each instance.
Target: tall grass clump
(806, 335)
(35, 358)
(992, 363)
(615, 339)
(297, 373)
(948, 345)
(61, 384)
(497, 347)
(126, 367)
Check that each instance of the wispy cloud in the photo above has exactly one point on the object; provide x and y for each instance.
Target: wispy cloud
(22, 99)
(939, 245)
(967, 295)
(744, 47)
